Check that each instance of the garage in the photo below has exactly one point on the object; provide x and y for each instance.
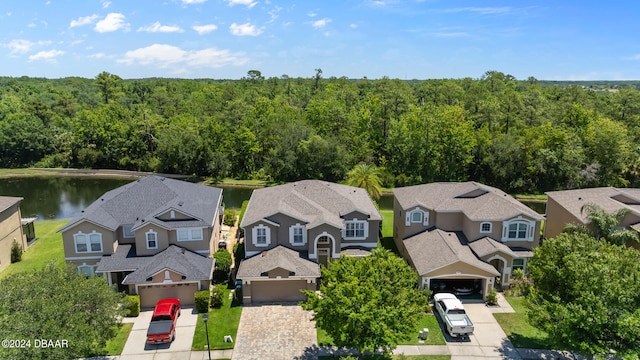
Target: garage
(150, 294)
(277, 291)
(463, 288)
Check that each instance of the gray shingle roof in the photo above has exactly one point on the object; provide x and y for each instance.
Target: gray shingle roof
(475, 200)
(434, 249)
(487, 245)
(141, 201)
(8, 201)
(191, 265)
(605, 197)
(312, 201)
(278, 257)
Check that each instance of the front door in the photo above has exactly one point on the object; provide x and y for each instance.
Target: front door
(323, 257)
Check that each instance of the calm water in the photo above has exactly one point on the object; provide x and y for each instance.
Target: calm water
(65, 197)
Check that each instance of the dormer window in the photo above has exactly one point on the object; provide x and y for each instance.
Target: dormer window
(152, 239)
(417, 216)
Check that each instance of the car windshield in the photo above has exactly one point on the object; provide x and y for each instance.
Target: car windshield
(456, 312)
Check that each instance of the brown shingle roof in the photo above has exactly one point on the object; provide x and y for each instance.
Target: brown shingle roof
(609, 199)
(475, 200)
(434, 249)
(487, 245)
(8, 201)
(278, 257)
(312, 201)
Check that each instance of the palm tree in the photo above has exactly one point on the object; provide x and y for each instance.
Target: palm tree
(366, 176)
(604, 225)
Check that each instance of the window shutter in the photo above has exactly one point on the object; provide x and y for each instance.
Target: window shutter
(408, 219)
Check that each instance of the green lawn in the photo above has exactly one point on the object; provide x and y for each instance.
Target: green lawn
(115, 345)
(387, 231)
(223, 321)
(425, 321)
(47, 248)
(517, 327)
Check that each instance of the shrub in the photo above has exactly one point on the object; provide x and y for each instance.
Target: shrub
(520, 284)
(238, 252)
(517, 274)
(217, 296)
(202, 301)
(492, 297)
(229, 217)
(132, 303)
(223, 260)
(16, 252)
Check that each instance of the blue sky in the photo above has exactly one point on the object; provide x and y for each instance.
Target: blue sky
(413, 39)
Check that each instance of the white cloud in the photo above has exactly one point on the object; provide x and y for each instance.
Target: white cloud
(22, 46)
(98, 56)
(106, 4)
(451, 34)
(46, 55)
(112, 22)
(204, 29)
(320, 23)
(481, 10)
(83, 20)
(244, 30)
(189, 2)
(157, 27)
(248, 3)
(312, 14)
(353, 26)
(163, 56)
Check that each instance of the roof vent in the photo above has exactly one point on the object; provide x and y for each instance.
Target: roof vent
(580, 198)
(264, 253)
(182, 250)
(102, 199)
(82, 211)
(181, 203)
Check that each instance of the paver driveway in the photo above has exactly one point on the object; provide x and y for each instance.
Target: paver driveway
(275, 332)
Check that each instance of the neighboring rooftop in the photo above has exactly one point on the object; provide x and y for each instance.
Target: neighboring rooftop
(8, 201)
(312, 201)
(609, 199)
(278, 257)
(475, 200)
(143, 200)
(434, 249)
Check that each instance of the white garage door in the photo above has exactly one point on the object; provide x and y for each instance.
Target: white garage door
(277, 291)
(150, 294)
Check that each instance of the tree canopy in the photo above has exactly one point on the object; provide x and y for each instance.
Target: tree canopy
(586, 294)
(604, 225)
(368, 303)
(55, 303)
(518, 135)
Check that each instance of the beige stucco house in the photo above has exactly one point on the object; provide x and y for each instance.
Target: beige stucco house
(564, 207)
(291, 229)
(10, 228)
(153, 237)
(460, 236)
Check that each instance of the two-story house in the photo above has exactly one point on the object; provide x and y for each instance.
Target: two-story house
(153, 237)
(10, 228)
(460, 236)
(291, 229)
(565, 207)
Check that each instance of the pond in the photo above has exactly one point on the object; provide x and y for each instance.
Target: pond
(49, 198)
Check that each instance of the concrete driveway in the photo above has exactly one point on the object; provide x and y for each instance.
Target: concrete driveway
(488, 339)
(275, 332)
(137, 348)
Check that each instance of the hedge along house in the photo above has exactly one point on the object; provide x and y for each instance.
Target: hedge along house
(461, 236)
(292, 229)
(153, 237)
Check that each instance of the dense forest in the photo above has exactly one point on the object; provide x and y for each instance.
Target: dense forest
(518, 135)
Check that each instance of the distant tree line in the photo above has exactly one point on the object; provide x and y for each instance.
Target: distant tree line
(519, 135)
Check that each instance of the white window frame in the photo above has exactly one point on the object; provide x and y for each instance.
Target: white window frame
(190, 236)
(127, 232)
(91, 269)
(424, 218)
(302, 233)
(172, 214)
(267, 235)
(87, 241)
(482, 231)
(355, 223)
(529, 231)
(146, 237)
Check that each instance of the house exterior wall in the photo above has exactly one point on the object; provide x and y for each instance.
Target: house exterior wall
(458, 270)
(449, 221)
(557, 218)
(141, 239)
(162, 277)
(524, 244)
(250, 247)
(10, 229)
(177, 216)
(279, 272)
(109, 240)
(471, 229)
(321, 230)
(200, 246)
